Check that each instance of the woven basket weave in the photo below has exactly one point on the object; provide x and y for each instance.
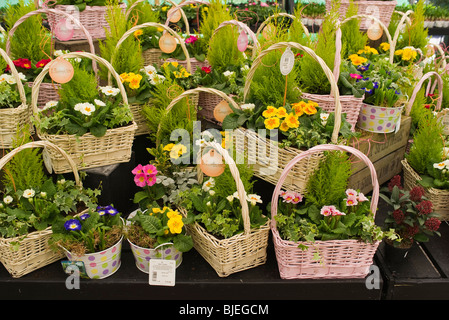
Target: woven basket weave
(240, 252)
(269, 160)
(87, 150)
(381, 9)
(93, 18)
(439, 197)
(49, 91)
(34, 251)
(338, 258)
(12, 119)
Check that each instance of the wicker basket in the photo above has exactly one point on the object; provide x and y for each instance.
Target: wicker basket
(136, 109)
(152, 56)
(439, 197)
(381, 9)
(193, 95)
(48, 91)
(338, 258)
(92, 18)
(87, 150)
(34, 251)
(240, 252)
(268, 159)
(12, 119)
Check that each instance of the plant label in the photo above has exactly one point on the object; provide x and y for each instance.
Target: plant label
(287, 61)
(212, 164)
(374, 32)
(64, 30)
(174, 16)
(221, 110)
(167, 43)
(162, 272)
(61, 71)
(242, 41)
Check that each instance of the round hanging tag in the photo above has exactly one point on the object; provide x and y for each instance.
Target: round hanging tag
(287, 61)
(64, 30)
(374, 32)
(61, 71)
(174, 16)
(242, 41)
(212, 164)
(167, 43)
(221, 110)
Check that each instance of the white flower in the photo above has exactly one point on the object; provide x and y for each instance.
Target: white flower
(245, 68)
(230, 198)
(49, 104)
(440, 165)
(87, 108)
(254, 198)
(150, 70)
(156, 79)
(200, 142)
(208, 204)
(110, 91)
(7, 199)
(22, 76)
(99, 103)
(28, 193)
(58, 53)
(248, 106)
(211, 192)
(4, 77)
(208, 184)
(228, 73)
(11, 80)
(324, 117)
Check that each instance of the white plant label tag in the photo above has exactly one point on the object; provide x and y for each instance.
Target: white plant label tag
(162, 272)
(287, 61)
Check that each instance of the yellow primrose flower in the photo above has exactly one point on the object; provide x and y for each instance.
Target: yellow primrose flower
(292, 121)
(385, 46)
(164, 8)
(284, 126)
(281, 112)
(270, 112)
(134, 83)
(357, 60)
(398, 52)
(124, 77)
(155, 210)
(272, 123)
(309, 109)
(138, 32)
(175, 225)
(298, 108)
(409, 54)
(177, 151)
(168, 147)
(173, 214)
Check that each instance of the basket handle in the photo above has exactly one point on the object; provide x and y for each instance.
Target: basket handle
(179, 7)
(334, 88)
(55, 12)
(418, 86)
(236, 175)
(321, 148)
(186, 94)
(42, 144)
(40, 77)
(156, 25)
(256, 47)
(15, 74)
(404, 19)
(281, 14)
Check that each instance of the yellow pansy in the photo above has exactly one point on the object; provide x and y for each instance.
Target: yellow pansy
(172, 214)
(272, 123)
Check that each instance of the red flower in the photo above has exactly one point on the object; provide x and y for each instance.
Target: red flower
(207, 69)
(424, 207)
(22, 63)
(432, 224)
(395, 181)
(411, 231)
(42, 63)
(398, 216)
(416, 193)
(427, 106)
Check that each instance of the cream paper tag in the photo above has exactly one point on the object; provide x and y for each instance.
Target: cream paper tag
(162, 272)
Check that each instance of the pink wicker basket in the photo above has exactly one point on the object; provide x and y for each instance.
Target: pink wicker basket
(93, 18)
(339, 258)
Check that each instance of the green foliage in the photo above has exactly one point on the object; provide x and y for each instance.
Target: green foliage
(223, 50)
(128, 58)
(142, 12)
(82, 86)
(311, 76)
(9, 96)
(427, 145)
(352, 39)
(414, 35)
(31, 40)
(25, 170)
(329, 181)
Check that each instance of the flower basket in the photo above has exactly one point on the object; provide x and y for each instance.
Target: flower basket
(269, 160)
(136, 109)
(13, 118)
(339, 258)
(381, 9)
(49, 91)
(93, 18)
(207, 100)
(34, 251)
(88, 150)
(439, 197)
(240, 252)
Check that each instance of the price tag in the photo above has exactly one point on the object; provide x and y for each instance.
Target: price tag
(287, 61)
(162, 272)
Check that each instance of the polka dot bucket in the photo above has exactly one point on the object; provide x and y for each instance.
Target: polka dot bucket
(100, 265)
(143, 256)
(379, 119)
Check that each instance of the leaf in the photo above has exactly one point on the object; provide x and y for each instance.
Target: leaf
(98, 130)
(150, 224)
(139, 196)
(231, 122)
(183, 243)
(73, 128)
(314, 214)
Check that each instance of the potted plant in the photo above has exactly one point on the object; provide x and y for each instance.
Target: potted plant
(226, 223)
(31, 203)
(93, 238)
(317, 234)
(92, 119)
(413, 217)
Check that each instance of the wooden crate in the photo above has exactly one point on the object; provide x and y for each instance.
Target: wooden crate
(385, 152)
(77, 45)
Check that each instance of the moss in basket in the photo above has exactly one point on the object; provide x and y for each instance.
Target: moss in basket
(30, 40)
